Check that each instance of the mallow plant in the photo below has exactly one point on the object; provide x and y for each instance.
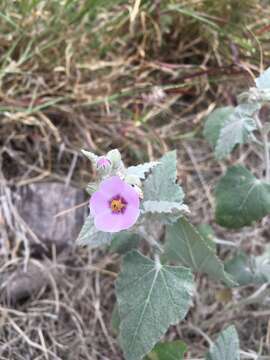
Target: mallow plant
(131, 204)
(242, 198)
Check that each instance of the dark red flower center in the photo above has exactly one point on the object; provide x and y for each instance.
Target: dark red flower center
(117, 204)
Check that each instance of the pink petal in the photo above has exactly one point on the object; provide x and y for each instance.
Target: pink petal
(109, 222)
(130, 195)
(130, 216)
(112, 186)
(105, 219)
(103, 162)
(99, 203)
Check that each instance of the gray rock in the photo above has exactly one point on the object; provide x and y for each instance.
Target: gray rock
(21, 285)
(38, 204)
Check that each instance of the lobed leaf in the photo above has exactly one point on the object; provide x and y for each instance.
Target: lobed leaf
(226, 346)
(150, 297)
(183, 243)
(91, 236)
(141, 170)
(241, 198)
(161, 185)
(215, 122)
(236, 129)
(163, 207)
(207, 232)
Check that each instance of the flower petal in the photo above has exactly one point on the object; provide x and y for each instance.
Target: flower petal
(130, 195)
(105, 219)
(112, 186)
(99, 203)
(109, 222)
(130, 216)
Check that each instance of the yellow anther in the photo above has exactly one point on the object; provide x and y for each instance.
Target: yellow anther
(117, 205)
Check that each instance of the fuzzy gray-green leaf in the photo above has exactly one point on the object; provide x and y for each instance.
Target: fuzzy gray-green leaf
(161, 183)
(163, 207)
(115, 319)
(90, 156)
(150, 297)
(215, 122)
(91, 236)
(141, 170)
(207, 233)
(248, 270)
(240, 270)
(241, 198)
(226, 346)
(91, 188)
(236, 130)
(183, 243)
(124, 241)
(263, 81)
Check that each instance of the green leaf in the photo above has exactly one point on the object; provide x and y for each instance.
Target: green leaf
(161, 183)
(236, 130)
(215, 122)
(115, 157)
(263, 81)
(183, 243)
(248, 270)
(163, 207)
(124, 241)
(150, 297)
(91, 188)
(241, 198)
(141, 170)
(90, 156)
(226, 346)
(262, 265)
(91, 236)
(161, 212)
(169, 350)
(207, 232)
(239, 268)
(115, 319)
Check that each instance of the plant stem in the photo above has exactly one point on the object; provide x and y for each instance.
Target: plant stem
(264, 136)
(267, 157)
(149, 237)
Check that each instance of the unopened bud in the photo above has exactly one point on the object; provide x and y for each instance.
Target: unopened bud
(103, 163)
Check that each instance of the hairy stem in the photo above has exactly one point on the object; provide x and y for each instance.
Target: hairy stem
(264, 136)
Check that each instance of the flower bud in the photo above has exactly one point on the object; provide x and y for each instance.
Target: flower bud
(103, 164)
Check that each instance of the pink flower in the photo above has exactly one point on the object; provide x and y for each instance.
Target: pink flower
(115, 206)
(103, 163)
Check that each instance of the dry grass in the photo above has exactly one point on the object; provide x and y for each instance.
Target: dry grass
(98, 75)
